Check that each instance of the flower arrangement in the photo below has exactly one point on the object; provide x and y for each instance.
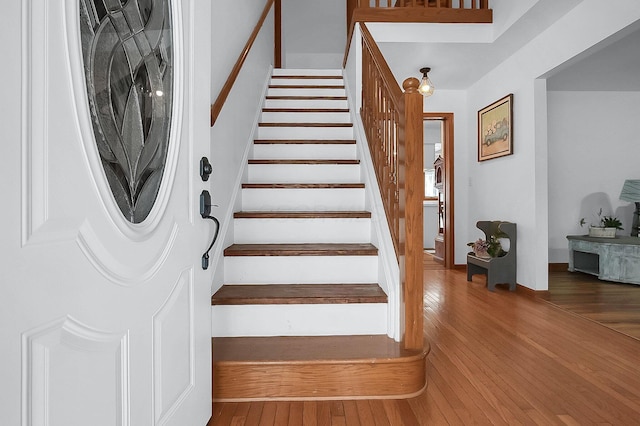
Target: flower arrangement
(487, 248)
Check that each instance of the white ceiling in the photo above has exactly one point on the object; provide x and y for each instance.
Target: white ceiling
(612, 65)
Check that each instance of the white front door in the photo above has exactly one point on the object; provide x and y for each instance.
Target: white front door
(102, 321)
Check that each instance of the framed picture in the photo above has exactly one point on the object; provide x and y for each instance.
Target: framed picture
(495, 129)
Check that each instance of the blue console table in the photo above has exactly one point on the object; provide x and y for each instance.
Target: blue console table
(610, 259)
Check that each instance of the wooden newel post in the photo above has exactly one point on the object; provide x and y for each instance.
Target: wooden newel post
(413, 188)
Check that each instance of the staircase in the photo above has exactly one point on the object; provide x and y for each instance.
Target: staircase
(301, 296)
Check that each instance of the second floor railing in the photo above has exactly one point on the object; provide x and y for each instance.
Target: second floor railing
(451, 11)
(459, 4)
(416, 11)
(392, 119)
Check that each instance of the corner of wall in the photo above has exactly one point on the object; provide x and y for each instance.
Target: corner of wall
(226, 235)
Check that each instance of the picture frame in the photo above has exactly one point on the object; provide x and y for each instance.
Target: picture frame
(495, 129)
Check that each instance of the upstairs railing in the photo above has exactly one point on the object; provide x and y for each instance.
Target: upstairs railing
(425, 11)
(392, 120)
(451, 11)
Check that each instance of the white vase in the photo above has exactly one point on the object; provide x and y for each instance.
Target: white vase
(595, 231)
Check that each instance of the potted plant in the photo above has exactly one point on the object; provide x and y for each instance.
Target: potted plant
(487, 248)
(606, 226)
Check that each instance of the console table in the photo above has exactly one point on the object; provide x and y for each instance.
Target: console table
(610, 259)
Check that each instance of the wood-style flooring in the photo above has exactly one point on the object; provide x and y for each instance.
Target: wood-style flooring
(497, 358)
(611, 304)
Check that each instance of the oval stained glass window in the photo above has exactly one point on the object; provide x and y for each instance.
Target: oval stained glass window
(128, 66)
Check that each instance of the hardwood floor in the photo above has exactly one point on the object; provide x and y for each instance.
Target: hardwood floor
(496, 358)
(613, 305)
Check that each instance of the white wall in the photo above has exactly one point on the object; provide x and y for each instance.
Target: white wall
(232, 134)
(314, 33)
(515, 187)
(594, 145)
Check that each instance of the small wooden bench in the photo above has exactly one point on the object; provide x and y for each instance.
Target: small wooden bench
(499, 270)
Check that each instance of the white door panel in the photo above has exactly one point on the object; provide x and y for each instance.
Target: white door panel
(102, 322)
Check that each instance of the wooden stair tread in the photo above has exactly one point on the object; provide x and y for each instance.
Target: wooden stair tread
(305, 141)
(320, 349)
(307, 97)
(305, 124)
(313, 162)
(345, 110)
(310, 249)
(308, 77)
(280, 294)
(303, 185)
(318, 367)
(302, 215)
(304, 86)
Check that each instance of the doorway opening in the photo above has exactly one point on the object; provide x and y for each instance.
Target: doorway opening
(438, 192)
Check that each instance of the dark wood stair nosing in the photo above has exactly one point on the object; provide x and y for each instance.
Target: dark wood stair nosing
(306, 98)
(303, 185)
(347, 214)
(305, 162)
(306, 86)
(308, 110)
(295, 124)
(308, 77)
(298, 294)
(305, 249)
(305, 141)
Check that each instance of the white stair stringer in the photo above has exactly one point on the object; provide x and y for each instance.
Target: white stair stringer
(296, 231)
(299, 320)
(294, 199)
(303, 122)
(303, 150)
(300, 269)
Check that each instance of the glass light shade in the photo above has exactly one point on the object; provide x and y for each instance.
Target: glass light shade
(426, 86)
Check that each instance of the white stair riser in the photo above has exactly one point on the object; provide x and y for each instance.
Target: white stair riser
(305, 133)
(305, 92)
(305, 103)
(303, 173)
(307, 82)
(306, 71)
(306, 117)
(292, 231)
(298, 320)
(300, 269)
(259, 199)
(277, 151)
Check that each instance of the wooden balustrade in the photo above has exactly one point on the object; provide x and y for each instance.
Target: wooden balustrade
(460, 4)
(441, 11)
(392, 121)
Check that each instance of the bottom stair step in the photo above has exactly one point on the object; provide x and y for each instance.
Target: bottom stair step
(323, 367)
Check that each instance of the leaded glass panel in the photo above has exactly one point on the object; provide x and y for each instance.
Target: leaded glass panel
(128, 65)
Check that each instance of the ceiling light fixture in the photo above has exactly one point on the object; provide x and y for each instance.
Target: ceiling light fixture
(426, 86)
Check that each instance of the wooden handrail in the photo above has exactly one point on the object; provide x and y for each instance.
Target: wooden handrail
(233, 75)
(392, 119)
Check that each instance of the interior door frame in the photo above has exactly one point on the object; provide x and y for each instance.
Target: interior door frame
(447, 151)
